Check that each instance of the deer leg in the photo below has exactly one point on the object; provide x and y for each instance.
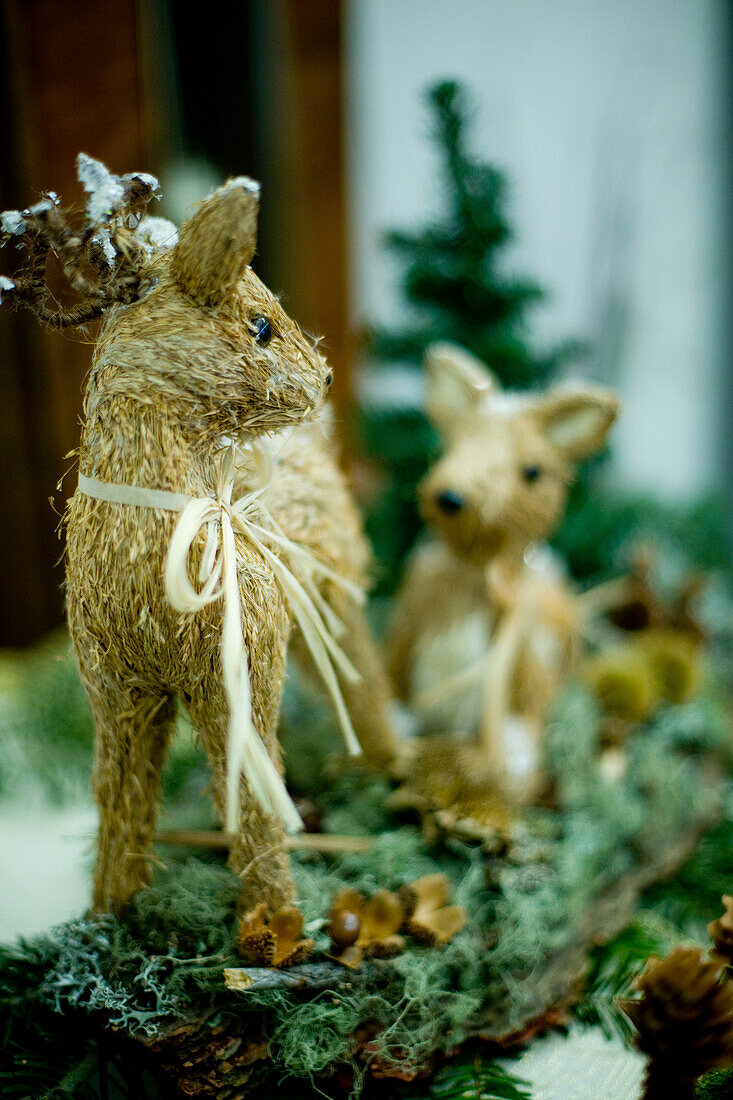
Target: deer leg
(368, 700)
(133, 727)
(257, 853)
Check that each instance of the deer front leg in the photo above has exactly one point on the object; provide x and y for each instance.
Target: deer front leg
(258, 853)
(133, 727)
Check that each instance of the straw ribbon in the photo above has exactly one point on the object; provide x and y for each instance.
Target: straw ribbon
(515, 614)
(218, 579)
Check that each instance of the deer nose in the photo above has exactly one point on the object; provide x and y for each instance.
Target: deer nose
(449, 502)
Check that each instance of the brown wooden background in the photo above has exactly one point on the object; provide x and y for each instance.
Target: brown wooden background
(254, 88)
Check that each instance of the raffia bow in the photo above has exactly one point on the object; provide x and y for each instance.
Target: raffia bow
(248, 516)
(512, 597)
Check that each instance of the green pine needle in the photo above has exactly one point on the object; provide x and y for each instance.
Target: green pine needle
(477, 1078)
(615, 965)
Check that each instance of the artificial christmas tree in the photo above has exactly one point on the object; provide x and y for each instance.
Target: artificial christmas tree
(456, 284)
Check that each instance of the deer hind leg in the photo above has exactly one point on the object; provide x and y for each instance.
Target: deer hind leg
(369, 699)
(258, 853)
(133, 728)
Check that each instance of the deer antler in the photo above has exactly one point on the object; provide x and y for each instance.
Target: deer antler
(102, 261)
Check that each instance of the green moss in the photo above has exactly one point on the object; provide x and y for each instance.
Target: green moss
(164, 957)
(162, 960)
(717, 1085)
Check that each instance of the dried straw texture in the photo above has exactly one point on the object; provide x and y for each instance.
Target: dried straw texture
(172, 374)
(500, 486)
(310, 501)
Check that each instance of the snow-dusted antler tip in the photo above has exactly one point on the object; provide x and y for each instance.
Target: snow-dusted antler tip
(48, 202)
(6, 286)
(12, 223)
(157, 234)
(106, 191)
(147, 180)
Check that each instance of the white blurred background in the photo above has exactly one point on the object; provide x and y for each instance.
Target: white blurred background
(609, 118)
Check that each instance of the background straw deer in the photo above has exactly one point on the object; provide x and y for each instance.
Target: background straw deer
(486, 626)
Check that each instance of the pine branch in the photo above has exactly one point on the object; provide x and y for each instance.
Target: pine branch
(692, 898)
(474, 1078)
(469, 298)
(450, 109)
(716, 1085)
(614, 966)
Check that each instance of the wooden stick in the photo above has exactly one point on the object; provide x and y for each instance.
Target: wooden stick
(329, 842)
(317, 842)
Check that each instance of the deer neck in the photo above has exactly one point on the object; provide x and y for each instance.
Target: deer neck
(135, 443)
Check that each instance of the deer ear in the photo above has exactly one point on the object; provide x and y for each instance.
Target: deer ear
(218, 241)
(577, 421)
(456, 382)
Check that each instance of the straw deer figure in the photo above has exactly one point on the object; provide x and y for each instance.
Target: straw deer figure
(202, 393)
(486, 626)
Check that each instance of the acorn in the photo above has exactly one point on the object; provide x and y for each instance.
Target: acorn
(344, 928)
(362, 927)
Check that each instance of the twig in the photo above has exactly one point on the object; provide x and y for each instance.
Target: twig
(328, 843)
(308, 976)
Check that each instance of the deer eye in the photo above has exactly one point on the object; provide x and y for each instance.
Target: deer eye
(262, 330)
(531, 473)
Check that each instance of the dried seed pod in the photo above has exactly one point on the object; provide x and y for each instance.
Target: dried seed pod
(427, 917)
(624, 684)
(273, 941)
(384, 914)
(676, 661)
(379, 920)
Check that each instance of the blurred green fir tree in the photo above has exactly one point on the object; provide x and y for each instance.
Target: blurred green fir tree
(454, 278)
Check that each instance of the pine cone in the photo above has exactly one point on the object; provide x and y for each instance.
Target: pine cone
(721, 931)
(685, 1020)
(210, 1062)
